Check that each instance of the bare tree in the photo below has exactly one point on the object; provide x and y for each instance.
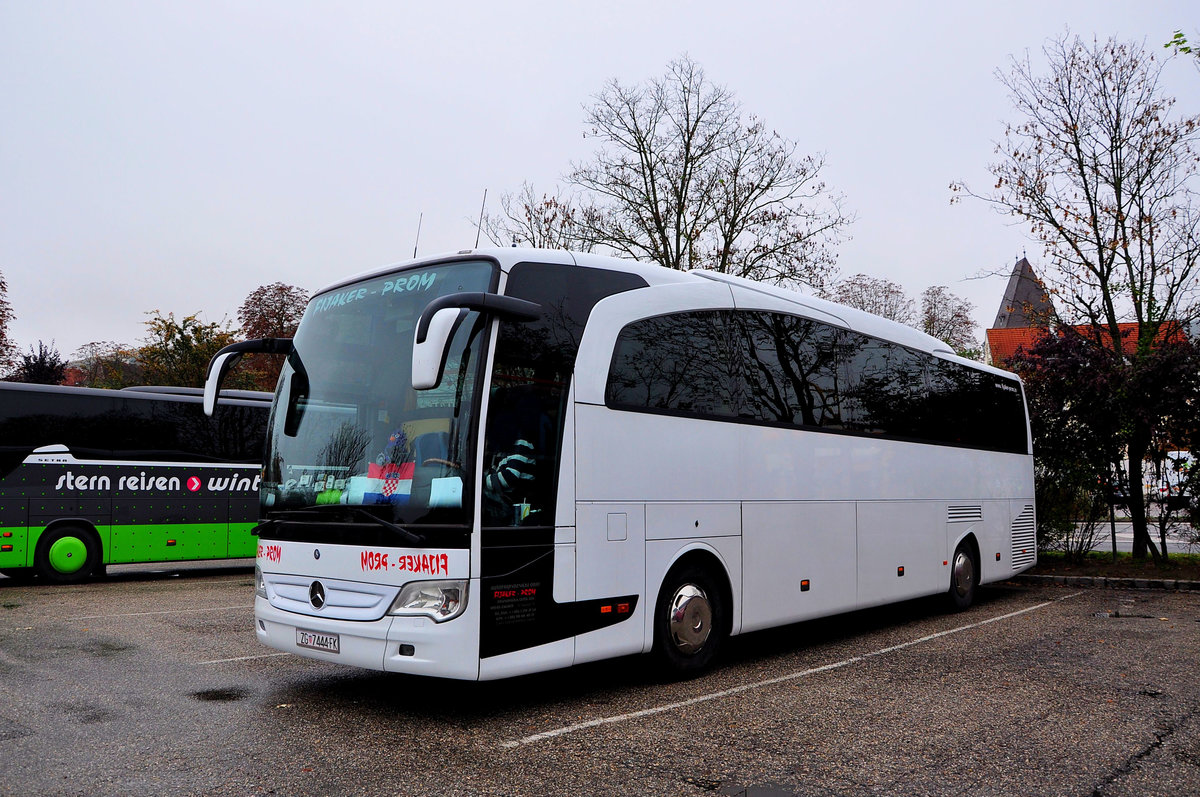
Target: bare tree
(8, 348)
(874, 295)
(1105, 176)
(1106, 180)
(548, 222)
(684, 178)
(948, 318)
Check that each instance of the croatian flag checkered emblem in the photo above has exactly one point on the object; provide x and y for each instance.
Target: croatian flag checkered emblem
(393, 481)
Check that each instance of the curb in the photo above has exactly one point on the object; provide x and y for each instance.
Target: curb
(1103, 582)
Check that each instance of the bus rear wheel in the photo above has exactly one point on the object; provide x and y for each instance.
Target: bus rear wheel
(690, 620)
(67, 554)
(964, 577)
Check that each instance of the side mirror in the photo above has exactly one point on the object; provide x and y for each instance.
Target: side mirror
(220, 365)
(229, 356)
(429, 355)
(441, 318)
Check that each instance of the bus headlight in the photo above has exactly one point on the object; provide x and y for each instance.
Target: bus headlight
(437, 600)
(260, 586)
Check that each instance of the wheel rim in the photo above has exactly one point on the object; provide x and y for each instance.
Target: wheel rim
(689, 619)
(67, 555)
(964, 574)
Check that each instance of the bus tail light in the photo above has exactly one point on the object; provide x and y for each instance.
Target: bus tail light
(438, 600)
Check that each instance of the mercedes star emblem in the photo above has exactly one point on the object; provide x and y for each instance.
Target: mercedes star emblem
(316, 594)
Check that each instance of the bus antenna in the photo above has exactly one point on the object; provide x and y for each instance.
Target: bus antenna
(479, 226)
(418, 239)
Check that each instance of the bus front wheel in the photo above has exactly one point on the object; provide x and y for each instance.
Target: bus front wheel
(690, 620)
(67, 554)
(964, 577)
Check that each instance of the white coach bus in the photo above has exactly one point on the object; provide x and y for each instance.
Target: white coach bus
(505, 461)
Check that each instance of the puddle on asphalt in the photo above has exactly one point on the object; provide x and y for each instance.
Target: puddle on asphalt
(221, 695)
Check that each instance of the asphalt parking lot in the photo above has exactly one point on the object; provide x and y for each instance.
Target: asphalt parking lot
(153, 683)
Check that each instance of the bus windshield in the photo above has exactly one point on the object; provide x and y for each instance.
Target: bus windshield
(349, 430)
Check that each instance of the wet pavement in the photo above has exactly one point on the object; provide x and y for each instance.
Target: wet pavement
(152, 683)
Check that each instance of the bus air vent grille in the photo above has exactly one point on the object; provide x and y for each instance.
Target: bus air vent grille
(964, 514)
(1024, 539)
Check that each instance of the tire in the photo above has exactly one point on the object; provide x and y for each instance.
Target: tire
(964, 577)
(67, 555)
(691, 620)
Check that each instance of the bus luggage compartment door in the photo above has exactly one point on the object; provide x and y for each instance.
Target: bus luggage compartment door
(610, 556)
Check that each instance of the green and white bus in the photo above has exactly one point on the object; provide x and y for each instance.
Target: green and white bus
(95, 477)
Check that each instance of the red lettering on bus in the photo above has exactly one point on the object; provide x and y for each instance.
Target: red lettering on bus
(434, 564)
(373, 560)
(271, 553)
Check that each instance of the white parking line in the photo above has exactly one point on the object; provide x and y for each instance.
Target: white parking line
(646, 712)
(166, 611)
(244, 658)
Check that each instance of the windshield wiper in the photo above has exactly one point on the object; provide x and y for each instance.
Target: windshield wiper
(410, 536)
(322, 509)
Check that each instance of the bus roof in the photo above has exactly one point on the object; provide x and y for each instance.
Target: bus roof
(155, 392)
(857, 320)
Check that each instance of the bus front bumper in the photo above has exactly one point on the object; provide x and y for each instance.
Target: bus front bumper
(413, 645)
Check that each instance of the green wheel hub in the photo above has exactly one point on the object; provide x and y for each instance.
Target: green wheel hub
(68, 555)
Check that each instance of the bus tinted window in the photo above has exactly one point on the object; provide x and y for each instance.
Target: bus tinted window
(781, 369)
(789, 366)
(129, 426)
(864, 383)
(973, 408)
(680, 363)
(904, 407)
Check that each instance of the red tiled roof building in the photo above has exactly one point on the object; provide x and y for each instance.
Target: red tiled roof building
(1026, 314)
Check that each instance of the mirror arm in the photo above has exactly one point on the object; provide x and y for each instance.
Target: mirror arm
(227, 357)
(503, 306)
(256, 346)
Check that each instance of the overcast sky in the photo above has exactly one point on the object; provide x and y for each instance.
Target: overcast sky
(174, 156)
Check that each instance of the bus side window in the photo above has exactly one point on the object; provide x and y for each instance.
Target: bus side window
(789, 368)
(684, 363)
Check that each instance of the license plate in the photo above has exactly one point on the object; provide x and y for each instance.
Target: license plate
(330, 643)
